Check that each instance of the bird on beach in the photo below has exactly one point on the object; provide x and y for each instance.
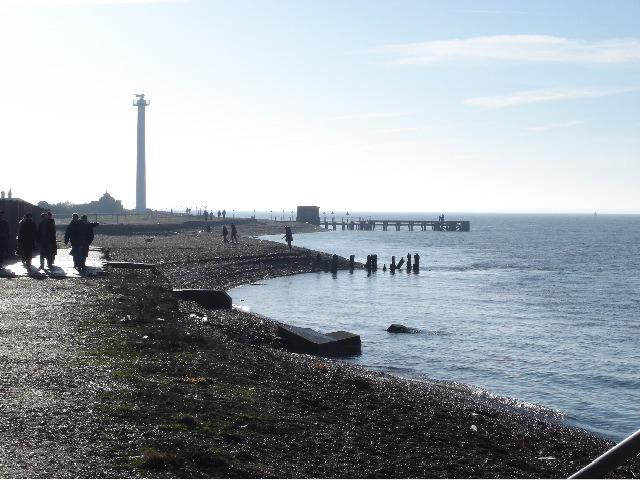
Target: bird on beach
(149, 239)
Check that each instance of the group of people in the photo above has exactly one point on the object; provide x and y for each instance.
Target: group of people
(234, 233)
(209, 215)
(79, 233)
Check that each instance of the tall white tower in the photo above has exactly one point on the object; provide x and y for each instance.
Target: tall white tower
(141, 178)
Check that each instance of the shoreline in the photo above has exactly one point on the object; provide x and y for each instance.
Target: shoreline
(524, 445)
(166, 388)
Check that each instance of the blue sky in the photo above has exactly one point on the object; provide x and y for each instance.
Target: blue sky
(351, 105)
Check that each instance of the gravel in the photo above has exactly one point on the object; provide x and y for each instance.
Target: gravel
(113, 377)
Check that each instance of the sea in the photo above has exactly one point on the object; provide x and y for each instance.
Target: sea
(536, 311)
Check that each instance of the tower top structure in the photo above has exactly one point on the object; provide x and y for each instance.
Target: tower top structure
(140, 102)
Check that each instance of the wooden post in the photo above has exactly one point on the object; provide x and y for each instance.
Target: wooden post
(368, 264)
(352, 261)
(334, 263)
(393, 263)
(416, 263)
(408, 262)
(374, 259)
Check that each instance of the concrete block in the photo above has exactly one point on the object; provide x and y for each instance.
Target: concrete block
(307, 340)
(212, 299)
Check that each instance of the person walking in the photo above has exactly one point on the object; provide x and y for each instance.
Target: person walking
(288, 236)
(27, 236)
(234, 233)
(4, 238)
(75, 234)
(47, 240)
(89, 235)
(225, 232)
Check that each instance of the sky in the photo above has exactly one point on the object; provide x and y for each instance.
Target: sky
(350, 105)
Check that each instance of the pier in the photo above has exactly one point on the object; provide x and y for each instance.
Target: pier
(370, 224)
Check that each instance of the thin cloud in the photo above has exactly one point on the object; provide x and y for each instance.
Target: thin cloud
(410, 129)
(543, 128)
(89, 2)
(372, 116)
(543, 95)
(531, 48)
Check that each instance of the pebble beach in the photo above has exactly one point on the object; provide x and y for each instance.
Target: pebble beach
(112, 376)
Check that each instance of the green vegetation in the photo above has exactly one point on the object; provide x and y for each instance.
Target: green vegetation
(175, 389)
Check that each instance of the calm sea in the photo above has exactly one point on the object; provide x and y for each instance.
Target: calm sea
(538, 311)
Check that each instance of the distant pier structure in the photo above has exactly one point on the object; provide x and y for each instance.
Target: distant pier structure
(359, 223)
(141, 177)
(308, 214)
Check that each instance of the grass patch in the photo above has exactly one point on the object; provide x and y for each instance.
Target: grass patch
(176, 388)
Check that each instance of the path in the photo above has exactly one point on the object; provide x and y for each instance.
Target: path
(48, 376)
(62, 267)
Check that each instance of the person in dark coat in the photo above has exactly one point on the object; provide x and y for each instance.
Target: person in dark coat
(47, 240)
(27, 237)
(75, 234)
(225, 232)
(4, 238)
(288, 236)
(234, 233)
(89, 235)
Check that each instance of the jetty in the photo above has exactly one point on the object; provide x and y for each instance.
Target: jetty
(360, 223)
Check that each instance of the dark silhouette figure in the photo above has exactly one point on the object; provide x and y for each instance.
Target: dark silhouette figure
(47, 240)
(88, 237)
(225, 232)
(234, 233)
(4, 238)
(27, 236)
(288, 236)
(75, 234)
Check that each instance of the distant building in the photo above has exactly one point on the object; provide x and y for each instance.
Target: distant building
(308, 214)
(106, 204)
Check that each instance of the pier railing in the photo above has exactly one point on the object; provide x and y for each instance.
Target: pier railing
(369, 224)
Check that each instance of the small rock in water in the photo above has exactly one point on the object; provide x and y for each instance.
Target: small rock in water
(399, 328)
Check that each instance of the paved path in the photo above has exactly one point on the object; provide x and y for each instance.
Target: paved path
(62, 267)
(49, 376)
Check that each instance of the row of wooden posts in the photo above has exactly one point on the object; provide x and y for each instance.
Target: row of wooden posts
(413, 263)
(372, 263)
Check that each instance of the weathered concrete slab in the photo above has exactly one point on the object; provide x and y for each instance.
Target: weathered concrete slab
(212, 299)
(307, 340)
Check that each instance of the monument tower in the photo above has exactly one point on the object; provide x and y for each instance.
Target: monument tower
(141, 180)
